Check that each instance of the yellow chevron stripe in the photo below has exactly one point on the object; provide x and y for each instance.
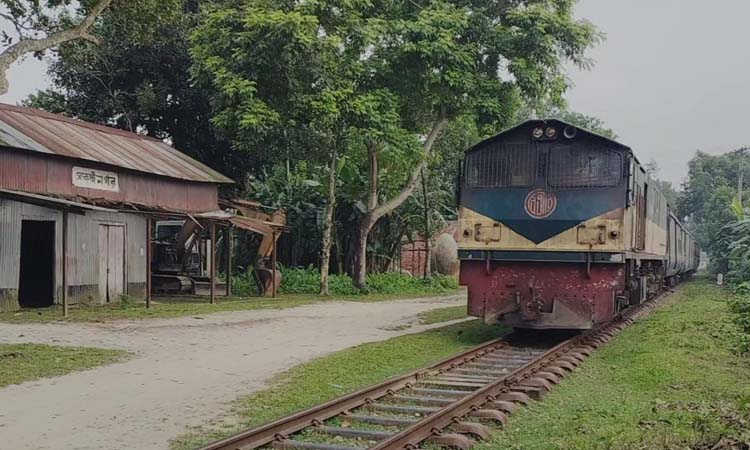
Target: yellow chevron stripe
(479, 232)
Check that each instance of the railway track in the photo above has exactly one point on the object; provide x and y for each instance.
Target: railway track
(449, 404)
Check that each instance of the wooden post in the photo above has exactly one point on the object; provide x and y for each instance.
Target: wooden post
(229, 237)
(149, 269)
(213, 262)
(201, 258)
(273, 266)
(65, 263)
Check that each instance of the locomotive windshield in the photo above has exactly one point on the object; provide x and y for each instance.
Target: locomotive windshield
(562, 166)
(502, 165)
(573, 166)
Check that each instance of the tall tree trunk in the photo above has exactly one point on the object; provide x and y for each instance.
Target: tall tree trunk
(375, 212)
(341, 265)
(325, 252)
(427, 231)
(360, 253)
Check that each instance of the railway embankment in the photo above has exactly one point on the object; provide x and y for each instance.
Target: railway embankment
(674, 380)
(671, 380)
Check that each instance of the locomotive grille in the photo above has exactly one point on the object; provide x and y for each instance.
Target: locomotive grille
(503, 165)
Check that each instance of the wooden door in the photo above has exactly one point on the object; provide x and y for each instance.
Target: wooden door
(116, 263)
(111, 262)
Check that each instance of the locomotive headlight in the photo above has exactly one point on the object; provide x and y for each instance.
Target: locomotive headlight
(551, 132)
(538, 133)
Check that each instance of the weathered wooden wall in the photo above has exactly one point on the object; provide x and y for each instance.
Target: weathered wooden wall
(50, 174)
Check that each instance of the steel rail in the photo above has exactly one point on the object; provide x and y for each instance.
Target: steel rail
(434, 424)
(453, 413)
(477, 395)
(266, 434)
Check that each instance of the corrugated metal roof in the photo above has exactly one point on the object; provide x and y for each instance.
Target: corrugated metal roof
(40, 131)
(49, 202)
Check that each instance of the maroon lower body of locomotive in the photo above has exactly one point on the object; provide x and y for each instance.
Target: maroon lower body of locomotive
(527, 294)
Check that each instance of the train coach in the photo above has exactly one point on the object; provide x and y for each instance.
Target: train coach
(562, 228)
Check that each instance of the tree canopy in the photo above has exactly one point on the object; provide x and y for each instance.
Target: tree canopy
(41, 25)
(706, 199)
(141, 85)
(589, 123)
(375, 94)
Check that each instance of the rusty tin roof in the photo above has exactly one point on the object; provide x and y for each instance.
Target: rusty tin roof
(42, 132)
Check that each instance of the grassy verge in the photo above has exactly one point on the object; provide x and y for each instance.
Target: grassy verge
(443, 315)
(188, 306)
(24, 362)
(670, 381)
(345, 371)
(740, 307)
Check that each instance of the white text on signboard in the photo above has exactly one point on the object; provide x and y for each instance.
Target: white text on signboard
(95, 179)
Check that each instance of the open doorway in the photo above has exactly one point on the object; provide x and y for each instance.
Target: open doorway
(36, 288)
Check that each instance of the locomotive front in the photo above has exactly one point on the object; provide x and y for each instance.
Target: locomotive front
(542, 226)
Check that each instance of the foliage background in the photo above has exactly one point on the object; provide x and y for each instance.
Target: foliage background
(263, 90)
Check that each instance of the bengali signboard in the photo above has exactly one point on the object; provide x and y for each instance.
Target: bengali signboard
(95, 179)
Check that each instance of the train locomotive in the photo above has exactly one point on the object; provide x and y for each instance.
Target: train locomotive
(562, 228)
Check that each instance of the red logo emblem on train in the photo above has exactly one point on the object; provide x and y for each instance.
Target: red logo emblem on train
(540, 203)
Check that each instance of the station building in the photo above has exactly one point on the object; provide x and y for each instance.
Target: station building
(76, 205)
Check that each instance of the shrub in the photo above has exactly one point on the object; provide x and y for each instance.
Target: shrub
(307, 281)
(397, 283)
(243, 284)
(740, 307)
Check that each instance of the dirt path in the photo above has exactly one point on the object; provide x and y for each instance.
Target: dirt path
(185, 371)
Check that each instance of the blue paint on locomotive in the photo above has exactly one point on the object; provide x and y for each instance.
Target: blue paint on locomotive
(506, 205)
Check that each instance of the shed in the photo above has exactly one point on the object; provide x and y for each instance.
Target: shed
(75, 200)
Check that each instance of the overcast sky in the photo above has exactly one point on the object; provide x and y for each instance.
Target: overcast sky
(672, 76)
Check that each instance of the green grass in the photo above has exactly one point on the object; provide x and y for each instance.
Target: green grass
(342, 372)
(443, 315)
(186, 306)
(670, 381)
(24, 362)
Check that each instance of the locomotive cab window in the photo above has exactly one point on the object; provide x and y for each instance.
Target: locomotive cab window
(502, 165)
(573, 166)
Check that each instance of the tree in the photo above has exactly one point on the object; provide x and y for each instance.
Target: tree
(444, 60)
(428, 212)
(706, 173)
(706, 200)
(670, 193)
(140, 83)
(300, 190)
(42, 25)
(652, 168)
(399, 73)
(283, 80)
(665, 187)
(328, 225)
(589, 123)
